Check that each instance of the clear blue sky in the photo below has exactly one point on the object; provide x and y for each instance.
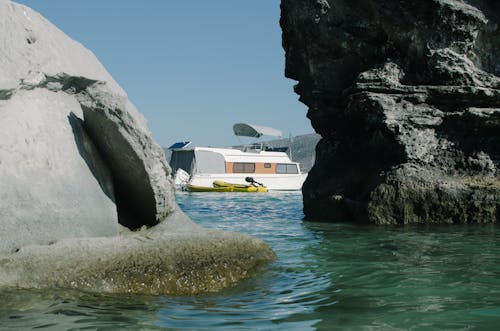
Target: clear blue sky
(193, 68)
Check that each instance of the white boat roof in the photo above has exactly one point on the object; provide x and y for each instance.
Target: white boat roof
(236, 155)
(256, 131)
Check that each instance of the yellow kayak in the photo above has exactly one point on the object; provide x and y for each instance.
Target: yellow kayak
(220, 186)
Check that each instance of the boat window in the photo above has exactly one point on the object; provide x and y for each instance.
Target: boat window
(286, 168)
(246, 168)
(267, 165)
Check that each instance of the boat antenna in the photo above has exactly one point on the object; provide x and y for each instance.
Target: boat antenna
(290, 142)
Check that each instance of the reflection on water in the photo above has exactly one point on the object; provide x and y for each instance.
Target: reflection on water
(328, 276)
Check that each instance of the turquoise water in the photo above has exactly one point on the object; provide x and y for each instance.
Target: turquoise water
(327, 277)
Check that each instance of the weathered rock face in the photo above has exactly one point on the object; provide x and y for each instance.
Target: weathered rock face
(77, 160)
(406, 97)
(77, 157)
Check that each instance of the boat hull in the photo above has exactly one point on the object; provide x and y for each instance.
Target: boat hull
(272, 182)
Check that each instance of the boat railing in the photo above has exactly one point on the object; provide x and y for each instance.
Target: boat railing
(262, 146)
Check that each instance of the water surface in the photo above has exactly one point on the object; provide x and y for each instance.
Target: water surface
(328, 276)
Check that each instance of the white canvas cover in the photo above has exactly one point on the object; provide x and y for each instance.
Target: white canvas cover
(208, 162)
(250, 130)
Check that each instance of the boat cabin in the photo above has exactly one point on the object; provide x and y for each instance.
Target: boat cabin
(205, 160)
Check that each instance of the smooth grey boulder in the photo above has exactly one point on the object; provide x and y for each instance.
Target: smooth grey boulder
(53, 181)
(77, 157)
(406, 97)
(143, 189)
(86, 198)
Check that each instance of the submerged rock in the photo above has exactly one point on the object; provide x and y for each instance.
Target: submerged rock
(79, 170)
(406, 97)
(173, 257)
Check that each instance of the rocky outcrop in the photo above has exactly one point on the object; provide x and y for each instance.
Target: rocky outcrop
(406, 97)
(86, 197)
(174, 257)
(75, 152)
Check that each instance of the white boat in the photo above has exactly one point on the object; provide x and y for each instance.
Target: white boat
(201, 166)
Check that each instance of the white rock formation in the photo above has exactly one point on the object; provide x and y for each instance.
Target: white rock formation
(53, 182)
(77, 160)
(51, 170)
(30, 43)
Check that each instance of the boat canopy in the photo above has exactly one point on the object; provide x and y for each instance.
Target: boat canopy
(197, 161)
(256, 131)
(180, 144)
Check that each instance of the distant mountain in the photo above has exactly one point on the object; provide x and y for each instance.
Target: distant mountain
(302, 149)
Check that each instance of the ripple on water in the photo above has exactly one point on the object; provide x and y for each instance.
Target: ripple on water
(328, 276)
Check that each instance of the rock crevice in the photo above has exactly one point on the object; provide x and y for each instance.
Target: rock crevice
(141, 187)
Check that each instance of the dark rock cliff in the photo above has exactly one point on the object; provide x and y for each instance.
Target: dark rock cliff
(406, 97)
